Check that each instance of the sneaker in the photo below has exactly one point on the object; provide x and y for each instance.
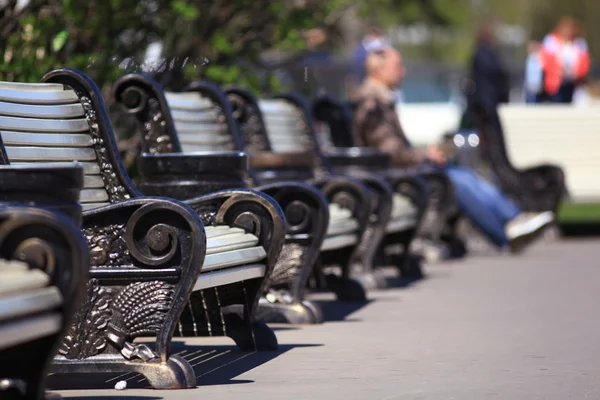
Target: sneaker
(527, 227)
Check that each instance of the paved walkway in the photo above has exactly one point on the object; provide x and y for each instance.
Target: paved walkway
(496, 327)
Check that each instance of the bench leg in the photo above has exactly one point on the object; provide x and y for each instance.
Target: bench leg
(304, 312)
(228, 311)
(176, 373)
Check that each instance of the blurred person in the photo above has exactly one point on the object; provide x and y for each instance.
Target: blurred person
(491, 83)
(534, 74)
(373, 36)
(376, 124)
(565, 61)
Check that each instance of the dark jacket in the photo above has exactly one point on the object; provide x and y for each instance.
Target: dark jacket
(492, 83)
(376, 124)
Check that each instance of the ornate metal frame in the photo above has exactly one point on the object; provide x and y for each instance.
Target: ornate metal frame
(164, 168)
(146, 255)
(430, 190)
(365, 254)
(370, 193)
(48, 241)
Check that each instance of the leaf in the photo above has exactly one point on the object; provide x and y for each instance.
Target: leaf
(59, 40)
(189, 12)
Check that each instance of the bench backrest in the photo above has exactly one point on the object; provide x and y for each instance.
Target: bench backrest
(564, 135)
(61, 121)
(200, 123)
(283, 124)
(333, 123)
(198, 120)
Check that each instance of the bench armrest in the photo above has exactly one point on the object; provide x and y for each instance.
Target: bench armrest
(307, 217)
(349, 193)
(51, 186)
(52, 243)
(358, 157)
(154, 249)
(182, 176)
(256, 213)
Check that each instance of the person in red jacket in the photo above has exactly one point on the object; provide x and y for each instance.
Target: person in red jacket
(565, 61)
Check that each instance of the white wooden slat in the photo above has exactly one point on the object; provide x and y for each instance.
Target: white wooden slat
(29, 302)
(17, 277)
(338, 227)
(203, 138)
(43, 125)
(233, 241)
(337, 212)
(194, 127)
(220, 230)
(288, 148)
(92, 181)
(402, 206)
(205, 148)
(338, 242)
(50, 154)
(195, 116)
(39, 87)
(42, 111)
(229, 275)
(188, 101)
(46, 139)
(89, 168)
(26, 96)
(232, 258)
(269, 106)
(93, 196)
(401, 224)
(22, 331)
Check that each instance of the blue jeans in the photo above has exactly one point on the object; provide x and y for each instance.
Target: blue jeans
(485, 206)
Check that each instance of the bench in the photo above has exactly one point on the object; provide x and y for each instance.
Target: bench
(287, 126)
(43, 269)
(148, 254)
(334, 122)
(532, 134)
(307, 163)
(213, 157)
(202, 126)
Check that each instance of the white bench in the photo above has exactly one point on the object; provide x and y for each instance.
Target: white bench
(564, 135)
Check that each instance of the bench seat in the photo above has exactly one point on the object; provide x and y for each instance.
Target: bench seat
(403, 216)
(27, 304)
(342, 228)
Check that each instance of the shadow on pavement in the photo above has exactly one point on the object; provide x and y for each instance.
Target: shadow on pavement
(213, 365)
(335, 310)
(110, 397)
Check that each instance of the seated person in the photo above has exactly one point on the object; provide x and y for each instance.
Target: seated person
(376, 124)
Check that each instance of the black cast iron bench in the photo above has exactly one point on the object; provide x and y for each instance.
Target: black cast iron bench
(153, 269)
(285, 124)
(200, 125)
(334, 121)
(43, 270)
